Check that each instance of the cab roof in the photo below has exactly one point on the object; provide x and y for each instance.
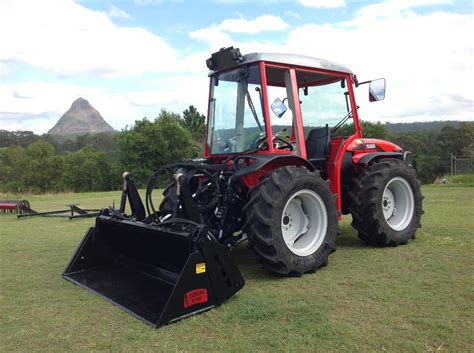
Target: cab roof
(290, 59)
(297, 60)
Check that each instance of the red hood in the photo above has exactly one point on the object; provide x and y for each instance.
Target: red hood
(373, 145)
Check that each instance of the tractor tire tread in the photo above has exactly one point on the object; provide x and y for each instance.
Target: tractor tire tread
(364, 198)
(260, 220)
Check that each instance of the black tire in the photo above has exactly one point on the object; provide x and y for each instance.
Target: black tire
(205, 205)
(166, 205)
(366, 206)
(169, 199)
(264, 212)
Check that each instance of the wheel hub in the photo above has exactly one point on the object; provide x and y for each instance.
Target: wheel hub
(388, 204)
(398, 203)
(304, 222)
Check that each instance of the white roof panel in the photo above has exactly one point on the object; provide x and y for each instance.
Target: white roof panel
(297, 60)
(293, 59)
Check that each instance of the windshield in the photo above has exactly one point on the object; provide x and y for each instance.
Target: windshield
(325, 104)
(236, 121)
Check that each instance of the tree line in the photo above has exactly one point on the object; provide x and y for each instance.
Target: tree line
(430, 150)
(40, 164)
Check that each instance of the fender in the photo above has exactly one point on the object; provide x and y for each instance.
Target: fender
(365, 150)
(365, 158)
(256, 166)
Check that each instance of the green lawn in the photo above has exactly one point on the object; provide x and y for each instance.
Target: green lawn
(413, 298)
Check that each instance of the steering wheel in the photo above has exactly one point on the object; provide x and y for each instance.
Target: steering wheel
(260, 142)
(286, 144)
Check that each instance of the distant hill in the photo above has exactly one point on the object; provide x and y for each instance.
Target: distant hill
(428, 126)
(80, 119)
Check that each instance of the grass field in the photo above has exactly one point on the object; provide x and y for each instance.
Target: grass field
(413, 298)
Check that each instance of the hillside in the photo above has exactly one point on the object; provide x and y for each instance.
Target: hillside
(82, 118)
(428, 126)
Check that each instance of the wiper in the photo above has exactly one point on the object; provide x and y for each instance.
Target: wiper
(250, 102)
(339, 124)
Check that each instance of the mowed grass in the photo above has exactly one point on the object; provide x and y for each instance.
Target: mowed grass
(413, 298)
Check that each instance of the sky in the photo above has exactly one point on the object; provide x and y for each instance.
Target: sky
(130, 59)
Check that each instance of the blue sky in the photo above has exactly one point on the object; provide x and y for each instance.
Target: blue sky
(132, 58)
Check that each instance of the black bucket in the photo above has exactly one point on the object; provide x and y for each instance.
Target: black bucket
(156, 273)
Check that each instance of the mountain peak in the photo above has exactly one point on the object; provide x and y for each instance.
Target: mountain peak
(82, 118)
(80, 102)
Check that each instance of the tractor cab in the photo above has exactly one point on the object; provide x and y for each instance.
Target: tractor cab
(280, 104)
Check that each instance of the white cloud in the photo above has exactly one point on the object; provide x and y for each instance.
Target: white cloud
(426, 58)
(73, 40)
(37, 106)
(393, 7)
(212, 35)
(115, 12)
(260, 24)
(332, 4)
(217, 37)
(148, 2)
(293, 14)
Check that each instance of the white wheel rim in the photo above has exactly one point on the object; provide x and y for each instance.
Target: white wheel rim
(304, 222)
(398, 203)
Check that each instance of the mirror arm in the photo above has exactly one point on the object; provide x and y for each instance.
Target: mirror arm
(363, 83)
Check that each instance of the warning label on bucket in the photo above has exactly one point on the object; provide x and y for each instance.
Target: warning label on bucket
(195, 296)
(200, 267)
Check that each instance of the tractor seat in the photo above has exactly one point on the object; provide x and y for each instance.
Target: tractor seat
(318, 145)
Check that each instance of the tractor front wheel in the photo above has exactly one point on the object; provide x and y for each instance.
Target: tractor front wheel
(386, 203)
(291, 221)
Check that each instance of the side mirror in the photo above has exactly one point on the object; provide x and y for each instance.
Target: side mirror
(377, 90)
(278, 107)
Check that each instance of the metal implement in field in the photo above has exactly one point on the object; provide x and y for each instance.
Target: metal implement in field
(24, 210)
(284, 157)
(11, 206)
(158, 272)
(166, 273)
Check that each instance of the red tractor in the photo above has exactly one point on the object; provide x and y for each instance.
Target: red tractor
(284, 158)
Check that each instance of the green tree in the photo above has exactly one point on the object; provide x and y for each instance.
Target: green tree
(89, 170)
(147, 145)
(369, 130)
(427, 168)
(166, 117)
(195, 123)
(12, 165)
(374, 130)
(19, 137)
(42, 168)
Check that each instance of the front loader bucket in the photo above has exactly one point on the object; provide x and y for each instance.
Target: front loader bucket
(154, 272)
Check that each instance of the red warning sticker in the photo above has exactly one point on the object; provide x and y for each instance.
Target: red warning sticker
(195, 296)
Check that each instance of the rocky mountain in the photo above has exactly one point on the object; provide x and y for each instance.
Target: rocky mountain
(80, 119)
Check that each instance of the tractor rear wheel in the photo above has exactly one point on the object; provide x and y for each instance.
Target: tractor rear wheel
(291, 221)
(386, 203)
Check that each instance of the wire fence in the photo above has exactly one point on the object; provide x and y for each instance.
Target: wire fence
(461, 165)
